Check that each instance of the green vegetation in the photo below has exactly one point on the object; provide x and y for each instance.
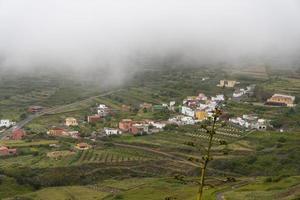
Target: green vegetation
(163, 165)
(62, 193)
(282, 188)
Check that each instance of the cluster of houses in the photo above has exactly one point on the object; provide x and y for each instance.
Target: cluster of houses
(102, 111)
(250, 122)
(158, 107)
(64, 132)
(197, 108)
(243, 91)
(140, 127)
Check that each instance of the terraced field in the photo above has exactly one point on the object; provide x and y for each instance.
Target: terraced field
(283, 85)
(111, 156)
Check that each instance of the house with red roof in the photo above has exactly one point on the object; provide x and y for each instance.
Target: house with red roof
(5, 151)
(93, 118)
(56, 131)
(17, 134)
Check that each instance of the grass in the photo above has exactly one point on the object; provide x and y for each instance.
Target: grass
(157, 189)
(23, 143)
(69, 192)
(272, 154)
(286, 188)
(9, 187)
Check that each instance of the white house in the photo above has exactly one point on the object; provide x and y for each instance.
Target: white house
(172, 103)
(187, 111)
(6, 123)
(238, 93)
(219, 97)
(250, 121)
(261, 124)
(112, 131)
(158, 125)
(182, 120)
(102, 110)
(187, 120)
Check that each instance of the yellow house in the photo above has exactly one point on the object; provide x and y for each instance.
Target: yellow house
(227, 83)
(71, 121)
(282, 99)
(201, 115)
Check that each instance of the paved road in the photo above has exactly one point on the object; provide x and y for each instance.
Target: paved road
(29, 118)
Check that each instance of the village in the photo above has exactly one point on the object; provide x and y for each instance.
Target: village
(193, 110)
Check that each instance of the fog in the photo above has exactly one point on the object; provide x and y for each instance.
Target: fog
(121, 36)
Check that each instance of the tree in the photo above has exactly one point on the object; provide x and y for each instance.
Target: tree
(211, 130)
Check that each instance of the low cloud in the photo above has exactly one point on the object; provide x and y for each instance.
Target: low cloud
(117, 36)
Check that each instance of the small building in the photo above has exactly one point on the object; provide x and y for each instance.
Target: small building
(6, 123)
(260, 125)
(103, 110)
(93, 118)
(111, 131)
(201, 115)
(218, 97)
(227, 83)
(238, 93)
(172, 105)
(35, 109)
(82, 146)
(192, 103)
(5, 151)
(17, 134)
(139, 128)
(125, 125)
(158, 125)
(182, 120)
(281, 100)
(202, 97)
(73, 134)
(147, 106)
(71, 121)
(187, 120)
(56, 131)
(187, 111)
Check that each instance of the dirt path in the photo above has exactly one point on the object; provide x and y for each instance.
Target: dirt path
(220, 195)
(171, 156)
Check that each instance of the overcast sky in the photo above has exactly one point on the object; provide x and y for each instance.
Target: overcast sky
(112, 34)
